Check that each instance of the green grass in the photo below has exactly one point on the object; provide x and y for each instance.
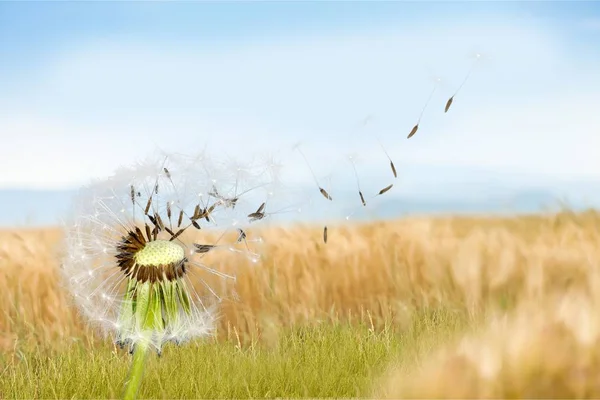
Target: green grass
(330, 360)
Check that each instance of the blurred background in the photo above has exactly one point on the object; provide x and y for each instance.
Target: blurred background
(87, 87)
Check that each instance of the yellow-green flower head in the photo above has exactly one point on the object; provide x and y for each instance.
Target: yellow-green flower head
(136, 244)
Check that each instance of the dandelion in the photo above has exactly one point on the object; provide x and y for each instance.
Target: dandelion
(134, 262)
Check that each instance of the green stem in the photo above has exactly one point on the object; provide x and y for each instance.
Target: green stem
(148, 301)
(137, 370)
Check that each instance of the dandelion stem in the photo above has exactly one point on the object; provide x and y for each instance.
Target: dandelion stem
(148, 318)
(137, 370)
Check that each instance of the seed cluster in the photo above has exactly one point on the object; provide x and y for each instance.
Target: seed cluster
(133, 266)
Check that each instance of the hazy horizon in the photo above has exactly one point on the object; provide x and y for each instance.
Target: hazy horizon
(439, 191)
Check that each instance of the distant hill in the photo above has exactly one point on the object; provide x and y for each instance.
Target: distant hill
(521, 202)
(33, 207)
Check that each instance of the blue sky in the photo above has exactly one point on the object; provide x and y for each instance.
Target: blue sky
(87, 86)
(31, 33)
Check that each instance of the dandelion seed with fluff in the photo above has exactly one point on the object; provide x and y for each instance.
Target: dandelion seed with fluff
(132, 265)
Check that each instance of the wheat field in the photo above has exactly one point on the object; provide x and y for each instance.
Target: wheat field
(432, 307)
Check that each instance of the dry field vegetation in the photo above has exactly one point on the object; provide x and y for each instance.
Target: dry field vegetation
(419, 307)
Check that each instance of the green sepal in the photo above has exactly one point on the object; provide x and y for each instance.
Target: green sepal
(154, 319)
(169, 302)
(127, 308)
(142, 305)
(182, 293)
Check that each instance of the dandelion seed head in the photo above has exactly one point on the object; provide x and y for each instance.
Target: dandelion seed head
(139, 237)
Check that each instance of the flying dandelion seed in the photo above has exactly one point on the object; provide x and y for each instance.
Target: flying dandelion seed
(362, 198)
(416, 127)
(133, 263)
(477, 57)
(323, 192)
(366, 121)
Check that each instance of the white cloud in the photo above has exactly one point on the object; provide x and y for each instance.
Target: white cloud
(92, 108)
